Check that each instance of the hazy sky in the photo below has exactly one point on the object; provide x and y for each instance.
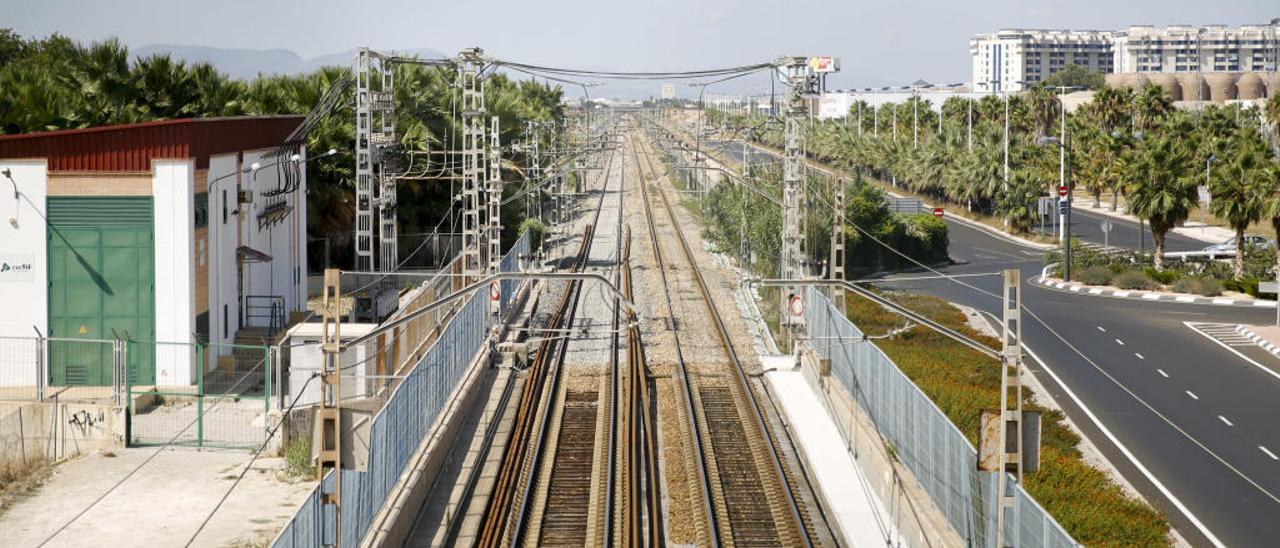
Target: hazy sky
(884, 42)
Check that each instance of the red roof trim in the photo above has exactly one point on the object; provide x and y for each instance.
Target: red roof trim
(132, 147)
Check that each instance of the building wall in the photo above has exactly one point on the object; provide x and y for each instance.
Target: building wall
(25, 295)
(285, 242)
(1010, 60)
(172, 185)
(1214, 48)
(224, 304)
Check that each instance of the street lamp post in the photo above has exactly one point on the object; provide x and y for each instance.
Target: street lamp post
(1064, 217)
(1064, 212)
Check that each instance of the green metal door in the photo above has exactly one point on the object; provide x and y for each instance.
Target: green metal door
(101, 286)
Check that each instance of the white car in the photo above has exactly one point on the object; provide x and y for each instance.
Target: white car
(1250, 241)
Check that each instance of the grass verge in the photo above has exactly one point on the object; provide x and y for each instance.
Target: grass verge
(19, 478)
(1093, 509)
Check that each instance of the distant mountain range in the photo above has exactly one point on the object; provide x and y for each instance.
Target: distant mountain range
(247, 64)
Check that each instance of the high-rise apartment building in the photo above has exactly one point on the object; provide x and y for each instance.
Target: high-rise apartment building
(1013, 59)
(1212, 48)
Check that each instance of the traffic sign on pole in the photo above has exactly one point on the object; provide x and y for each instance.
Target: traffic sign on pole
(937, 212)
(1062, 191)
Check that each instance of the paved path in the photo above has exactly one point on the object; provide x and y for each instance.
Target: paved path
(161, 505)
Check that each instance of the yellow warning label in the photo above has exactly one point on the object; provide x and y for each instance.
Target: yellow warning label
(84, 330)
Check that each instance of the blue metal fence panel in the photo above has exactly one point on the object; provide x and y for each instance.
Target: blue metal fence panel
(396, 432)
(924, 439)
(511, 263)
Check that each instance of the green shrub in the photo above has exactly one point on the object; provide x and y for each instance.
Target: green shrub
(1096, 275)
(1247, 285)
(1133, 279)
(1187, 285)
(1209, 287)
(537, 231)
(1165, 277)
(297, 460)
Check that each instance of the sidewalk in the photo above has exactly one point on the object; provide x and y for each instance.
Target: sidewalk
(162, 504)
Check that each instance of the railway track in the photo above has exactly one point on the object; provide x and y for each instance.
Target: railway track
(748, 489)
(512, 499)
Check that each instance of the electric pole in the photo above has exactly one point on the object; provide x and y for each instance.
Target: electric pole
(837, 246)
(1010, 448)
(375, 135)
(802, 81)
(470, 62)
(327, 429)
(494, 203)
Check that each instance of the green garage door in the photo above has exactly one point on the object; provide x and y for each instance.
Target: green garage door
(101, 286)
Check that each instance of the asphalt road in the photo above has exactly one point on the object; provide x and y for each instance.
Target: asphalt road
(1085, 225)
(1132, 364)
(1187, 421)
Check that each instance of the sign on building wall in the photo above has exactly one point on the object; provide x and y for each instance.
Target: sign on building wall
(15, 267)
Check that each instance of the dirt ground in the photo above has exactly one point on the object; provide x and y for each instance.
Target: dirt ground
(162, 504)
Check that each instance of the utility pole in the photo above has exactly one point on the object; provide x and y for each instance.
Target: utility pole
(375, 133)
(470, 62)
(802, 81)
(328, 431)
(837, 246)
(494, 203)
(1010, 448)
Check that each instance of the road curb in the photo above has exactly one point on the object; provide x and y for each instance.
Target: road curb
(1258, 340)
(1054, 284)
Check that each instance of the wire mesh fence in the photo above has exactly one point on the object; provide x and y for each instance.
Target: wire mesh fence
(205, 395)
(41, 368)
(396, 432)
(923, 438)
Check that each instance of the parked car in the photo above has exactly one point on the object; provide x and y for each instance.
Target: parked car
(1250, 241)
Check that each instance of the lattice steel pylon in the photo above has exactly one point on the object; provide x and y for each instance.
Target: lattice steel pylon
(470, 63)
(375, 134)
(837, 245)
(494, 199)
(801, 81)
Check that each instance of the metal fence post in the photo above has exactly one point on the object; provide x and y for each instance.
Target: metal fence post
(199, 395)
(266, 392)
(42, 345)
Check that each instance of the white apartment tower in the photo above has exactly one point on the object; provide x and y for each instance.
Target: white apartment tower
(1212, 48)
(1012, 59)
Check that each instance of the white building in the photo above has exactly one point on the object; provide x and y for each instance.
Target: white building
(156, 233)
(1013, 59)
(1212, 48)
(668, 92)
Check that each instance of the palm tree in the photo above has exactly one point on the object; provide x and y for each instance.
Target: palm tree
(1271, 113)
(1162, 187)
(1152, 107)
(1239, 188)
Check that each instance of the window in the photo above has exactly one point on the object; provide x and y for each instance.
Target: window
(224, 206)
(201, 210)
(224, 315)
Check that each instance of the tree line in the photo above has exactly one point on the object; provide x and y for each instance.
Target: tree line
(1131, 144)
(55, 83)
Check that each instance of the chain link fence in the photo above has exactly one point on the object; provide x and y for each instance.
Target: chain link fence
(923, 438)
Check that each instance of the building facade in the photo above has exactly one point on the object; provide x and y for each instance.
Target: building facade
(1184, 49)
(1014, 59)
(157, 232)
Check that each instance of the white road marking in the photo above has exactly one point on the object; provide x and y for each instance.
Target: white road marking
(1102, 329)
(1184, 299)
(1120, 294)
(1225, 421)
(1233, 351)
(1177, 503)
(1076, 288)
(1119, 342)
(1151, 297)
(1095, 291)
(1270, 304)
(1268, 452)
(1161, 371)
(1139, 356)
(1192, 394)
(1224, 301)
